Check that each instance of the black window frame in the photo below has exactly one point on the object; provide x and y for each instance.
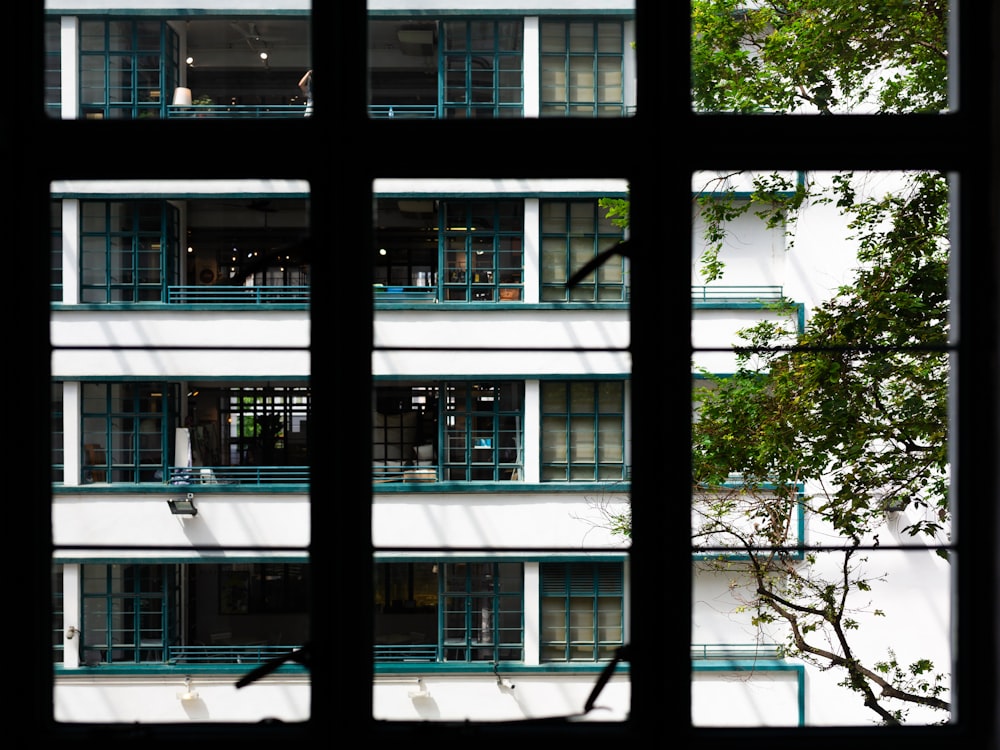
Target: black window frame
(965, 142)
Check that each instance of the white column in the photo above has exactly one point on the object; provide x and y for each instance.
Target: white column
(70, 251)
(532, 86)
(72, 616)
(532, 616)
(532, 250)
(71, 433)
(70, 66)
(531, 448)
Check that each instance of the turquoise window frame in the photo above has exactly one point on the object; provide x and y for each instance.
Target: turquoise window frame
(560, 429)
(479, 613)
(58, 433)
(475, 426)
(157, 66)
(565, 590)
(568, 238)
(460, 56)
(58, 618)
(251, 407)
(116, 430)
(470, 596)
(53, 69)
(558, 100)
(108, 608)
(482, 249)
(55, 252)
(127, 262)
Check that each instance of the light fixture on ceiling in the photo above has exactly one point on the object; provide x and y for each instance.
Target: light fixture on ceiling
(183, 507)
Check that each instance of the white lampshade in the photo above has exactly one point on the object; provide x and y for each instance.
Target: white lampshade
(182, 96)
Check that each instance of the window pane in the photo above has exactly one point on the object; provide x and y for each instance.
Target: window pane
(821, 521)
(818, 58)
(458, 457)
(204, 458)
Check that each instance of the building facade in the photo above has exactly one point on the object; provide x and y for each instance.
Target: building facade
(500, 421)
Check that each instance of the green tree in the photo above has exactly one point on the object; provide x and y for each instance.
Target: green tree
(855, 403)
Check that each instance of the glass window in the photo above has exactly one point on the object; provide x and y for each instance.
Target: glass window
(582, 611)
(123, 438)
(573, 233)
(484, 74)
(482, 431)
(448, 612)
(582, 68)
(128, 250)
(583, 431)
(483, 245)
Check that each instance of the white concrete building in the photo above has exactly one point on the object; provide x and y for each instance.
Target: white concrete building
(501, 413)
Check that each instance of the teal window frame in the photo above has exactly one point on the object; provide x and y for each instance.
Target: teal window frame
(582, 611)
(127, 250)
(567, 408)
(482, 244)
(482, 80)
(263, 418)
(482, 618)
(144, 52)
(481, 424)
(572, 232)
(117, 418)
(55, 252)
(448, 611)
(127, 602)
(576, 47)
(53, 69)
(58, 618)
(57, 431)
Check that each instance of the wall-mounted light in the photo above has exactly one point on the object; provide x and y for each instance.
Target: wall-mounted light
(421, 691)
(188, 694)
(183, 507)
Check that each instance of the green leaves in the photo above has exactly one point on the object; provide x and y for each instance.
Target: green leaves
(817, 55)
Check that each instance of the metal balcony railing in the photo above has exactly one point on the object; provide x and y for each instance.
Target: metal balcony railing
(243, 295)
(735, 651)
(399, 294)
(244, 654)
(716, 293)
(403, 111)
(406, 653)
(235, 111)
(243, 475)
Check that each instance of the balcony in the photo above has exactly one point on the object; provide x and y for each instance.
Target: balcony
(238, 295)
(237, 475)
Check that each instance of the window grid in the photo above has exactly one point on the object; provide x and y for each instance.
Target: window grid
(482, 611)
(484, 69)
(582, 69)
(483, 245)
(482, 431)
(124, 612)
(126, 68)
(122, 438)
(572, 233)
(582, 611)
(125, 246)
(583, 431)
(841, 142)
